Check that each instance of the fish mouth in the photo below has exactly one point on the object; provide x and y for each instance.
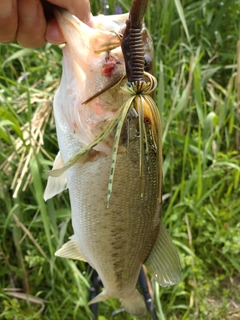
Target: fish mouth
(66, 20)
(73, 29)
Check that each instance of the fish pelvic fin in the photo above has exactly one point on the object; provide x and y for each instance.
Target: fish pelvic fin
(134, 304)
(100, 297)
(70, 250)
(56, 185)
(163, 262)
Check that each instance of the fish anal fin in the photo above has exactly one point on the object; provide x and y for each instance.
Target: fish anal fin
(163, 262)
(56, 185)
(70, 250)
(134, 304)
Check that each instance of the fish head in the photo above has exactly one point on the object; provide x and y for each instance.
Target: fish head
(93, 72)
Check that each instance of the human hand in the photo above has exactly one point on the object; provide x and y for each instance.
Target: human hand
(31, 22)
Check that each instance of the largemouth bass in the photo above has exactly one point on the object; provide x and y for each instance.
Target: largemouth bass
(116, 220)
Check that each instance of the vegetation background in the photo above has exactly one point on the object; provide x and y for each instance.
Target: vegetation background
(198, 95)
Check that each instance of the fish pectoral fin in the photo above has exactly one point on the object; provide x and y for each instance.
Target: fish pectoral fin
(56, 185)
(134, 304)
(100, 297)
(70, 250)
(163, 262)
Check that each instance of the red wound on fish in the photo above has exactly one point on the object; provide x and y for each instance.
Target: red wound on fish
(109, 66)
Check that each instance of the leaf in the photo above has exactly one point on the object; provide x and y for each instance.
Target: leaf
(182, 18)
(18, 54)
(38, 193)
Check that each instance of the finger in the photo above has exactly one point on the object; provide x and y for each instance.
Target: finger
(80, 9)
(31, 24)
(8, 20)
(48, 9)
(53, 32)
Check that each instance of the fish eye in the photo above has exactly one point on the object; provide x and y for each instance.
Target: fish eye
(147, 120)
(148, 62)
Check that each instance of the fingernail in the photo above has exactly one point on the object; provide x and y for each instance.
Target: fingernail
(53, 33)
(6, 7)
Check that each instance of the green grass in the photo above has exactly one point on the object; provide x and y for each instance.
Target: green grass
(196, 67)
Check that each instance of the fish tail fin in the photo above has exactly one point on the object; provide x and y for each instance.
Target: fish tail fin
(100, 297)
(134, 304)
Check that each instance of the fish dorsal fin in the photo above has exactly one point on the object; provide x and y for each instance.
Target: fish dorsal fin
(163, 262)
(56, 185)
(70, 250)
